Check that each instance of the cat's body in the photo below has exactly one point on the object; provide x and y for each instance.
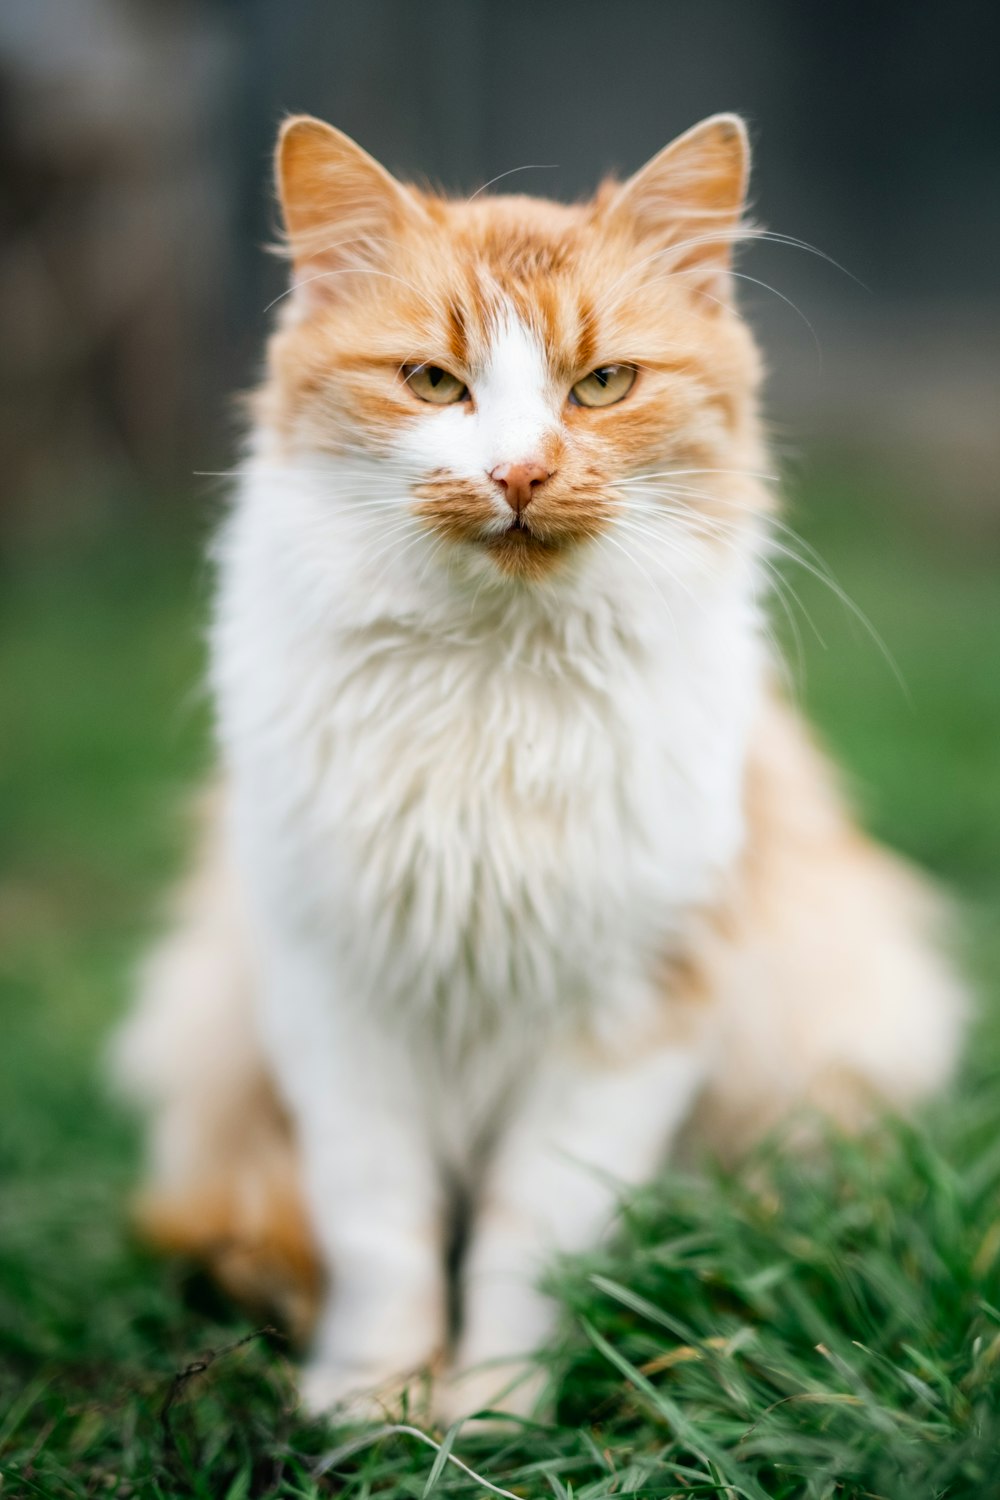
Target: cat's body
(519, 857)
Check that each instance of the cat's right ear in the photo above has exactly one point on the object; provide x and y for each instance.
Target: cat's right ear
(341, 209)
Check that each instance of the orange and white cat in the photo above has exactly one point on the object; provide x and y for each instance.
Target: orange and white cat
(519, 863)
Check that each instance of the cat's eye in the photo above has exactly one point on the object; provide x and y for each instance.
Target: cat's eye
(603, 386)
(431, 383)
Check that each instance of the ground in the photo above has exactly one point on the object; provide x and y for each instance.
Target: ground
(821, 1332)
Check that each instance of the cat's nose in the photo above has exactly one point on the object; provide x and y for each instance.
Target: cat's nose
(519, 482)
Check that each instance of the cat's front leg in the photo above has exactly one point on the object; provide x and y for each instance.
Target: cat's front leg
(371, 1184)
(591, 1119)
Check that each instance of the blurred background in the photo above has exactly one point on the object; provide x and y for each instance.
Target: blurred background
(135, 145)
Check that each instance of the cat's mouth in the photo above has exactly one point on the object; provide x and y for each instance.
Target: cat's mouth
(520, 527)
(521, 533)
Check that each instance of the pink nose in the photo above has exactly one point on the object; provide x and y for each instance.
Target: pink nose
(519, 482)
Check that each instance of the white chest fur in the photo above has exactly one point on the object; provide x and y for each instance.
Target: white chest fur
(482, 803)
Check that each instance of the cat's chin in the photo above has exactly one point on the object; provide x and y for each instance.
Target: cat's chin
(520, 553)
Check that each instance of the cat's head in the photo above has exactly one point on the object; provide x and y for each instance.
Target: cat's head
(529, 376)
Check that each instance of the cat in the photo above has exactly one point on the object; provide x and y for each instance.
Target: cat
(519, 863)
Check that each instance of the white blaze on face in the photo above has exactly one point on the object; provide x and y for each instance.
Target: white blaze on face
(515, 398)
(515, 410)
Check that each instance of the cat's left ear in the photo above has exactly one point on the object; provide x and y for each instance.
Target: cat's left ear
(342, 210)
(689, 200)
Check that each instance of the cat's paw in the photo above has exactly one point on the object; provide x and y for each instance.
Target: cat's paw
(500, 1392)
(354, 1395)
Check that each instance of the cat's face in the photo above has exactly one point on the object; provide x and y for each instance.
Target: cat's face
(529, 375)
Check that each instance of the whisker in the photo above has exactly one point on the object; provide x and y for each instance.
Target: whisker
(779, 588)
(727, 534)
(625, 553)
(679, 473)
(742, 276)
(753, 234)
(819, 569)
(852, 607)
(529, 166)
(352, 271)
(771, 521)
(678, 582)
(387, 536)
(428, 560)
(743, 232)
(663, 535)
(398, 553)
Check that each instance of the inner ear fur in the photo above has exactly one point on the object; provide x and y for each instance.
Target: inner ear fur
(341, 208)
(690, 197)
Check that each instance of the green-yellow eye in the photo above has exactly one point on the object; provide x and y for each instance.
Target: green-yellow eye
(603, 386)
(431, 383)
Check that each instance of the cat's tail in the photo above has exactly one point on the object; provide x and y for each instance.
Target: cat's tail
(223, 1176)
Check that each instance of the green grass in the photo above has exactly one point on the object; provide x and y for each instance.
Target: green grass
(821, 1332)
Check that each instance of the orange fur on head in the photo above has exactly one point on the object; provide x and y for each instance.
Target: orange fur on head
(389, 277)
